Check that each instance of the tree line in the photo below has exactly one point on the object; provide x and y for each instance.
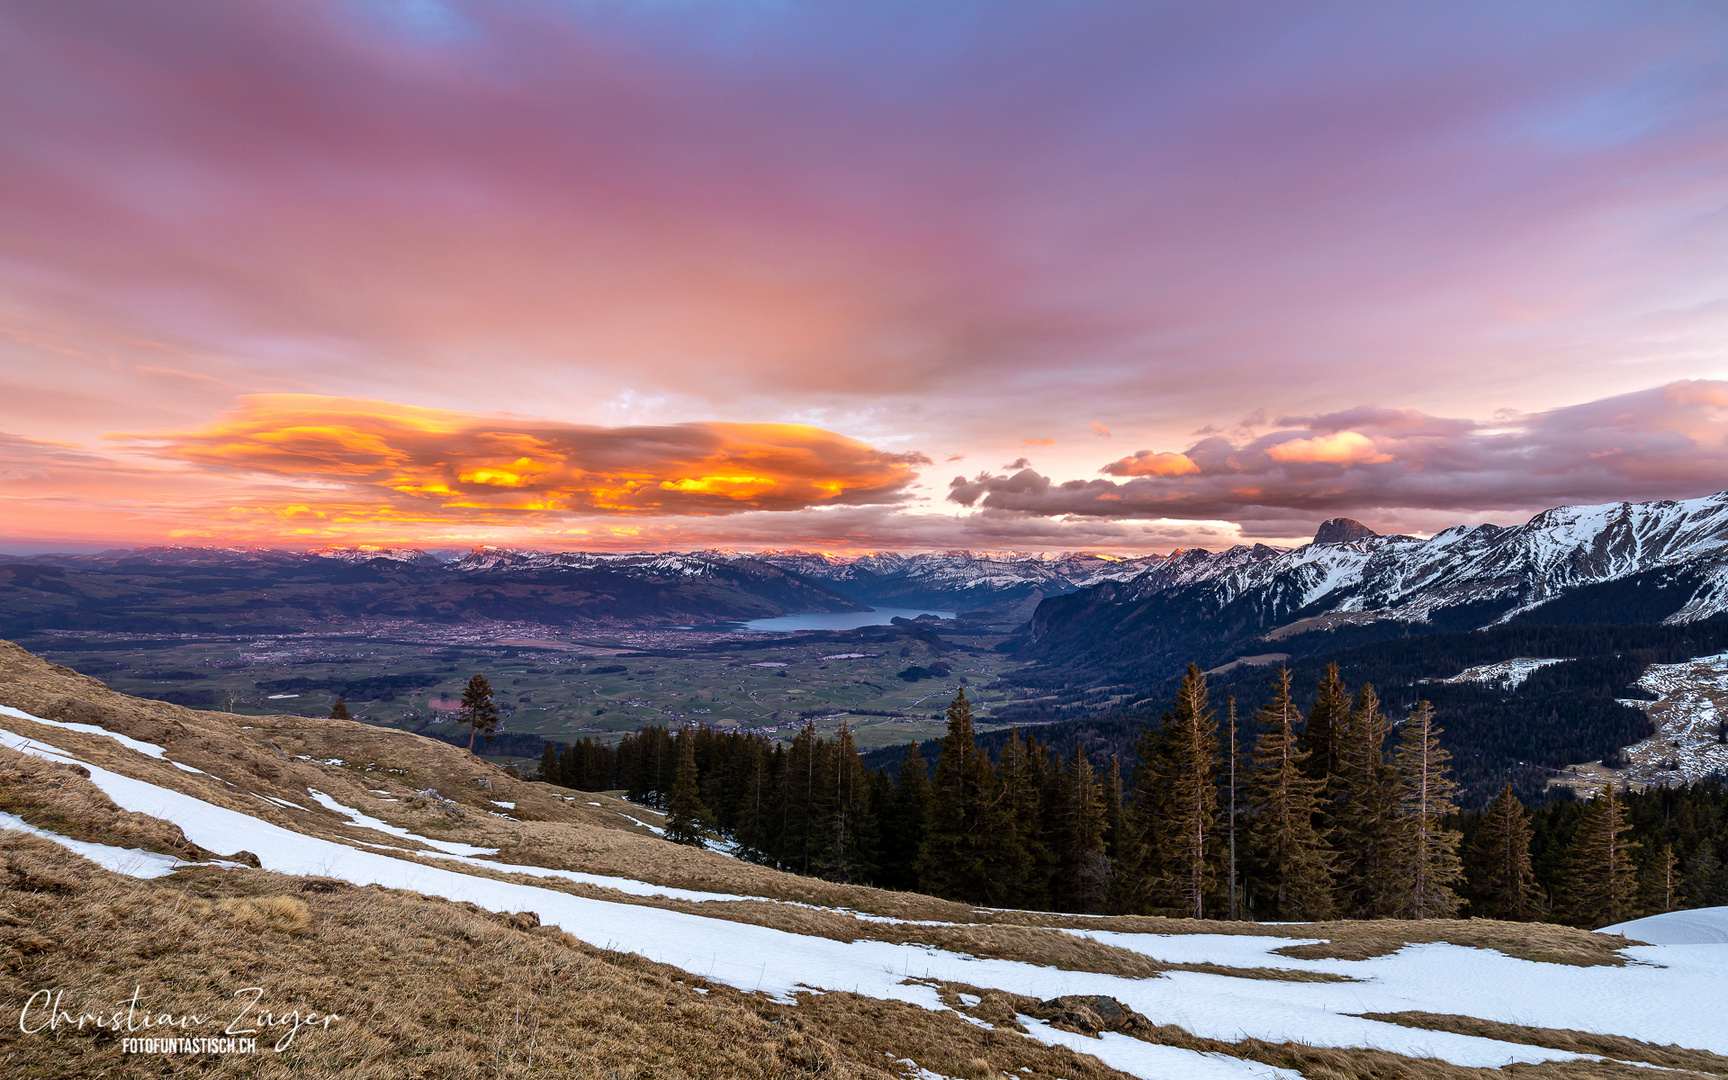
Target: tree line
(1336, 813)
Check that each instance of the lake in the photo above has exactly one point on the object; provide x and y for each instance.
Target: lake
(837, 620)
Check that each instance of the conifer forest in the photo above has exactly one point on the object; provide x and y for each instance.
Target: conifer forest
(1326, 808)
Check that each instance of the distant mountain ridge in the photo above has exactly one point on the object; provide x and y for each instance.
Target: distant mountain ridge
(946, 580)
(220, 590)
(1611, 563)
(957, 580)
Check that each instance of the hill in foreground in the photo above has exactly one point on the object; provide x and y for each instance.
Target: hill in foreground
(459, 922)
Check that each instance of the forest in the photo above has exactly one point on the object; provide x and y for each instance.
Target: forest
(1288, 813)
(1561, 715)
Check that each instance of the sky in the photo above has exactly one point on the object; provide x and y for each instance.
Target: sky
(1111, 275)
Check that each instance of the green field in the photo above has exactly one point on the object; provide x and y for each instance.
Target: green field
(562, 688)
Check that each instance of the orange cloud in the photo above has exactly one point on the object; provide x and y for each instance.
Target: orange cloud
(1339, 448)
(1099, 429)
(379, 459)
(1147, 463)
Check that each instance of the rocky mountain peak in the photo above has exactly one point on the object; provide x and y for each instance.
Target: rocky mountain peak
(1343, 531)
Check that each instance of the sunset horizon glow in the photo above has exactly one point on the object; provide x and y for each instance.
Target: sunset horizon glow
(846, 276)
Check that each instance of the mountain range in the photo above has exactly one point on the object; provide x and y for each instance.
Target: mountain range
(1616, 563)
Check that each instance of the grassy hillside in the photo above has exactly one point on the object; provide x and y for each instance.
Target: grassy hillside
(594, 948)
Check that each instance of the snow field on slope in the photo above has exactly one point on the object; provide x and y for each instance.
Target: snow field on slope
(1689, 698)
(1699, 926)
(1670, 997)
(1507, 674)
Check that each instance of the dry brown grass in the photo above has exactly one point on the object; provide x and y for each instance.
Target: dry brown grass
(1349, 1063)
(1544, 943)
(424, 987)
(1579, 1042)
(1363, 939)
(61, 798)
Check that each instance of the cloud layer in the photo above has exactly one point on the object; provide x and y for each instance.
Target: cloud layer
(973, 229)
(1661, 443)
(962, 223)
(448, 464)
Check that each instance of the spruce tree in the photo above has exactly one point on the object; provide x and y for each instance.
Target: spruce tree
(809, 802)
(1295, 864)
(1323, 735)
(850, 852)
(1428, 852)
(1501, 876)
(1020, 784)
(1232, 757)
(1143, 881)
(479, 711)
(1083, 876)
(1187, 834)
(1659, 885)
(549, 771)
(686, 818)
(753, 812)
(1121, 843)
(953, 860)
(1599, 880)
(903, 824)
(338, 711)
(1366, 829)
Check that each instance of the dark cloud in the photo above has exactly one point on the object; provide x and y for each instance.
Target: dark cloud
(1666, 442)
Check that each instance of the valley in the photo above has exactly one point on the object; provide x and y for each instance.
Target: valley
(558, 685)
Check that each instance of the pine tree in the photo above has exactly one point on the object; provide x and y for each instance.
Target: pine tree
(850, 852)
(1143, 881)
(1233, 756)
(1186, 834)
(1365, 830)
(1323, 735)
(1598, 882)
(953, 861)
(808, 803)
(1020, 783)
(903, 823)
(479, 711)
(1293, 857)
(1659, 885)
(339, 711)
(1121, 843)
(1501, 876)
(686, 818)
(549, 771)
(1429, 853)
(1083, 877)
(752, 813)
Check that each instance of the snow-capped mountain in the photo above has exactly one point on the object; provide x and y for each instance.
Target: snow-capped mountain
(365, 553)
(957, 580)
(1619, 562)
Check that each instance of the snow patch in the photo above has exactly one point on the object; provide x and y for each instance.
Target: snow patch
(366, 821)
(148, 749)
(1700, 926)
(133, 862)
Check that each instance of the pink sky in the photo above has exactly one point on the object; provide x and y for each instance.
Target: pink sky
(846, 274)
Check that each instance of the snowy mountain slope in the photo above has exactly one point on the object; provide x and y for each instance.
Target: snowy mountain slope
(1620, 562)
(1669, 996)
(957, 580)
